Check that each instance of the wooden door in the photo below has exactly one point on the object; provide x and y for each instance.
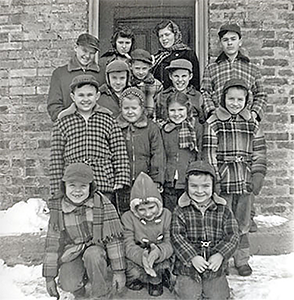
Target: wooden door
(142, 16)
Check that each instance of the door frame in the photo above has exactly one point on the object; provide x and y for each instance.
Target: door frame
(201, 28)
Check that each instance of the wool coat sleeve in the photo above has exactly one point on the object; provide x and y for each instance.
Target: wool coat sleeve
(120, 160)
(58, 142)
(116, 254)
(259, 160)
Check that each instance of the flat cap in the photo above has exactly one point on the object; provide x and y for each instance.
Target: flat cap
(180, 64)
(142, 55)
(88, 79)
(88, 40)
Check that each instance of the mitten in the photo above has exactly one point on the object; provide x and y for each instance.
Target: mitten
(119, 280)
(257, 181)
(51, 287)
(154, 254)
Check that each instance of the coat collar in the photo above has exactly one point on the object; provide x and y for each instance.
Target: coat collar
(73, 109)
(140, 123)
(185, 200)
(74, 65)
(224, 115)
(223, 57)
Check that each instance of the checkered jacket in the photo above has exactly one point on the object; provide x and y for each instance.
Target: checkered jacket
(217, 73)
(236, 147)
(98, 142)
(195, 233)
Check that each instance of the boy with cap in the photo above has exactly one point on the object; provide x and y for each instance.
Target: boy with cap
(117, 76)
(147, 238)
(142, 78)
(83, 62)
(87, 238)
(204, 235)
(180, 73)
(232, 63)
(86, 132)
(234, 144)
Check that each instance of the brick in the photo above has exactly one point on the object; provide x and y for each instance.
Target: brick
(10, 28)
(277, 81)
(275, 62)
(275, 43)
(287, 72)
(22, 90)
(10, 46)
(23, 72)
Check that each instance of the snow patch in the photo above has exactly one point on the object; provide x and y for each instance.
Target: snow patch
(269, 221)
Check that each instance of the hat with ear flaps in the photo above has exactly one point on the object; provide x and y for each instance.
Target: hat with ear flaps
(144, 191)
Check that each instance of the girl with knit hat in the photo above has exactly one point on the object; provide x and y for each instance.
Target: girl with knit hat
(182, 139)
(147, 238)
(143, 140)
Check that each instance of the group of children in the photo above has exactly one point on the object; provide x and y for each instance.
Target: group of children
(154, 182)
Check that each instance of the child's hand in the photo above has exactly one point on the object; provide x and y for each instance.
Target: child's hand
(118, 281)
(153, 255)
(52, 288)
(215, 262)
(117, 186)
(146, 265)
(200, 264)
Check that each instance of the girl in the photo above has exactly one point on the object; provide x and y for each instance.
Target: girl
(182, 139)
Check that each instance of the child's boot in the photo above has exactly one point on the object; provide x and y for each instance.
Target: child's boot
(155, 290)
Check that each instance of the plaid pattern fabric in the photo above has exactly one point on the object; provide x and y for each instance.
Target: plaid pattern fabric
(189, 227)
(98, 142)
(236, 148)
(187, 136)
(217, 73)
(77, 232)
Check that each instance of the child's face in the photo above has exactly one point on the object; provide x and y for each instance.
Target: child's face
(200, 188)
(118, 80)
(140, 69)
(148, 211)
(85, 98)
(166, 37)
(131, 109)
(123, 45)
(235, 100)
(231, 43)
(85, 55)
(77, 191)
(180, 79)
(177, 112)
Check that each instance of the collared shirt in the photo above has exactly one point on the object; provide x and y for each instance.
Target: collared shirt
(217, 73)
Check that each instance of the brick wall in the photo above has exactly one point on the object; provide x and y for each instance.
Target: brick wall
(36, 36)
(268, 35)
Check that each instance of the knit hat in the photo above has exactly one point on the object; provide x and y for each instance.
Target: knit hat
(234, 82)
(78, 172)
(142, 55)
(144, 190)
(117, 65)
(229, 27)
(133, 91)
(86, 79)
(180, 64)
(201, 166)
(88, 40)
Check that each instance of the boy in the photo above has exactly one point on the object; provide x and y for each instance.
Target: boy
(180, 73)
(141, 63)
(204, 235)
(117, 79)
(143, 140)
(232, 63)
(235, 146)
(86, 132)
(147, 238)
(89, 233)
(83, 62)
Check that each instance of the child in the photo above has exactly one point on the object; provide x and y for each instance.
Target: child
(232, 63)
(235, 146)
(83, 62)
(143, 140)
(141, 63)
(88, 236)
(204, 235)
(86, 132)
(147, 238)
(180, 74)
(117, 79)
(182, 139)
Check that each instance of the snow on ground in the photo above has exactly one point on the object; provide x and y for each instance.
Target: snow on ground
(272, 278)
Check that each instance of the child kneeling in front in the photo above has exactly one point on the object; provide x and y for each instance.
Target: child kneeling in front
(86, 237)
(204, 235)
(147, 238)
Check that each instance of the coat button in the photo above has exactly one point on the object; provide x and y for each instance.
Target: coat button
(177, 54)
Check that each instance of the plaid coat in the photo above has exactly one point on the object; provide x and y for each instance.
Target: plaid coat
(98, 142)
(77, 232)
(217, 73)
(236, 147)
(191, 229)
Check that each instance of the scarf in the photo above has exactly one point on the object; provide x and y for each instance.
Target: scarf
(187, 133)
